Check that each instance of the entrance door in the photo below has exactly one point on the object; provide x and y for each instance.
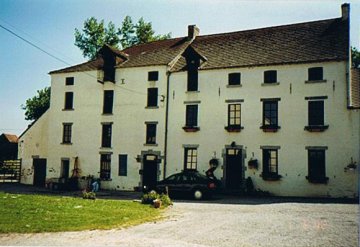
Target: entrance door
(150, 171)
(233, 174)
(39, 172)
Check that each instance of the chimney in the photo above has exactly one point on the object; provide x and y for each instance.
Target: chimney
(345, 11)
(193, 31)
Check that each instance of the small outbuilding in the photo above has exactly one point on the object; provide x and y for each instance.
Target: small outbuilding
(8, 147)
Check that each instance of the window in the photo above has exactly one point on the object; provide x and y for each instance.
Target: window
(152, 100)
(153, 75)
(270, 115)
(234, 115)
(66, 133)
(192, 65)
(105, 166)
(270, 76)
(315, 74)
(190, 159)
(316, 112)
(316, 165)
(151, 133)
(316, 116)
(65, 168)
(108, 101)
(191, 116)
(106, 136)
(69, 100)
(122, 164)
(69, 81)
(270, 164)
(234, 79)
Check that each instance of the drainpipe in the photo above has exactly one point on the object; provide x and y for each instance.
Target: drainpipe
(168, 73)
(345, 16)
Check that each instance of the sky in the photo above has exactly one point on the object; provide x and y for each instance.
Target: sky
(50, 25)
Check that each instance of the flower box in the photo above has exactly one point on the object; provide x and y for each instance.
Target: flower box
(316, 128)
(191, 128)
(234, 128)
(270, 176)
(270, 128)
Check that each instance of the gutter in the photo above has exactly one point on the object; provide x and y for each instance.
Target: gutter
(168, 73)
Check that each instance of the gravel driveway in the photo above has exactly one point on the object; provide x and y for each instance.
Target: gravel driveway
(235, 223)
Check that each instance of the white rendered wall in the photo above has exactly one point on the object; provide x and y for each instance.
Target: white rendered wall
(128, 122)
(33, 143)
(342, 137)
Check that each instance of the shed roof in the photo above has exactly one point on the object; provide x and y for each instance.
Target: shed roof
(11, 138)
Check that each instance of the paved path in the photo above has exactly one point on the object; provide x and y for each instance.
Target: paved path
(233, 222)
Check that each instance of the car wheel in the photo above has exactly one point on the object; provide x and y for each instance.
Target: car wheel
(198, 194)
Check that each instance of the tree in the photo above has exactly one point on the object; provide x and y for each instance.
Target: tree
(94, 35)
(145, 32)
(127, 33)
(355, 57)
(37, 105)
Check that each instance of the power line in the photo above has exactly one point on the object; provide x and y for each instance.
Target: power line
(61, 60)
(38, 41)
(32, 44)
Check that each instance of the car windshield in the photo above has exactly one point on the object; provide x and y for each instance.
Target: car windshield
(172, 178)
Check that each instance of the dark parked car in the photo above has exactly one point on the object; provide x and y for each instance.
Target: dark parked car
(187, 183)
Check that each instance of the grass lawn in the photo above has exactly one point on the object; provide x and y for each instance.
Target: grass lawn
(38, 213)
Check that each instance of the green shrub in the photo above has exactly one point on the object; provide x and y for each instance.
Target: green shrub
(89, 195)
(165, 199)
(149, 198)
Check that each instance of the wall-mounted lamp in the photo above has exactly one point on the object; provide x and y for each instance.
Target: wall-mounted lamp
(162, 98)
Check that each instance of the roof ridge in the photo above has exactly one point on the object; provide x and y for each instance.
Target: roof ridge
(150, 42)
(271, 27)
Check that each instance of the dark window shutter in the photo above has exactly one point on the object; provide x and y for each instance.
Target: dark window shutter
(106, 135)
(69, 81)
(270, 76)
(234, 79)
(122, 164)
(108, 101)
(191, 115)
(153, 75)
(152, 99)
(316, 112)
(150, 133)
(192, 65)
(69, 97)
(315, 74)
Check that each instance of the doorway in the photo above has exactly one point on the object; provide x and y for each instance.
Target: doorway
(150, 171)
(39, 172)
(233, 169)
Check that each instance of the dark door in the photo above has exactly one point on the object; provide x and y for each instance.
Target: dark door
(150, 171)
(39, 172)
(233, 176)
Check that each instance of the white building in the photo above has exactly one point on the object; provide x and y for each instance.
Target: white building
(274, 104)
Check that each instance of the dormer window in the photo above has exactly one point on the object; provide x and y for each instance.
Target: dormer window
(193, 65)
(109, 72)
(153, 76)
